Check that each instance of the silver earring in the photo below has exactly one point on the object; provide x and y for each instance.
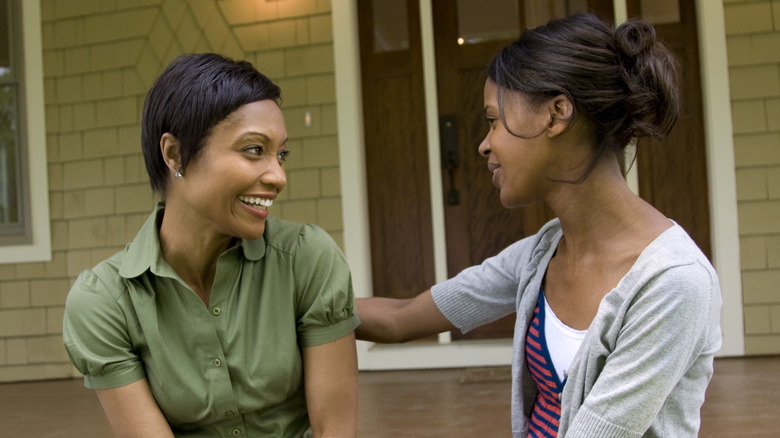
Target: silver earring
(178, 174)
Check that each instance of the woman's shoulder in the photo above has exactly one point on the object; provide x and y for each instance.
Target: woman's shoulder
(673, 260)
(102, 279)
(290, 237)
(675, 248)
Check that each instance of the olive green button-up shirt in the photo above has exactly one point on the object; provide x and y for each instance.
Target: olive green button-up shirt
(233, 368)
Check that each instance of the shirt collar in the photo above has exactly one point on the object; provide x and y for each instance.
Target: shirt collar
(144, 254)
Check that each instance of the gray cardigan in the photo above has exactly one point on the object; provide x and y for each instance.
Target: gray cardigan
(646, 360)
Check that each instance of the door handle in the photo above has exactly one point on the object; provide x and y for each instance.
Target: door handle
(448, 136)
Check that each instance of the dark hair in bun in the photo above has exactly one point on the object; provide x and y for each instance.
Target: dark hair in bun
(624, 81)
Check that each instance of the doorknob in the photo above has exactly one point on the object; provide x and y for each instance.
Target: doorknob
(448, 136)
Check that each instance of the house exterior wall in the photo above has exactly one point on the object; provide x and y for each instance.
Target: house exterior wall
(100, 58)
(753, 45)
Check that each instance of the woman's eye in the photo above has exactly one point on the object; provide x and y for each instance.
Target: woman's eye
(282, 156)
(255, 150)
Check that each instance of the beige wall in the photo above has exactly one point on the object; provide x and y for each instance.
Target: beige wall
(753, 44)
(100, 58)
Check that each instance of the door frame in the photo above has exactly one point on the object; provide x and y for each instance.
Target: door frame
(357, 246)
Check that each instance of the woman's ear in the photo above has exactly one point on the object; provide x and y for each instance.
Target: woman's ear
(171, 153)
(561, 112)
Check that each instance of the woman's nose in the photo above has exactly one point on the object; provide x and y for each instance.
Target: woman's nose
(275, 176)
(484, 147)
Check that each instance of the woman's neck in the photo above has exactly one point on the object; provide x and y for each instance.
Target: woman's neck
(602, 215)
(191, 250)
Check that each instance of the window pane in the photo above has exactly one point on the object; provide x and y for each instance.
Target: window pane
(661, 11)
(9, 158)
(5, 39)
(539, 12)
(499, 20)
(487, 20)
(391, 25)
(10, 215)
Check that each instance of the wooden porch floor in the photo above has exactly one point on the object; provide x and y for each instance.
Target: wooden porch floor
(743, 400)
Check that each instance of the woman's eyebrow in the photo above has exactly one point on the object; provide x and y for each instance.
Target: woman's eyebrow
(265, 137)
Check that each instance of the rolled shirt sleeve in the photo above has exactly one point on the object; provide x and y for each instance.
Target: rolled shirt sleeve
(326, 300)
(96, 335)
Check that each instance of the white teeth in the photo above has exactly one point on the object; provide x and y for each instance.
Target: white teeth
(256, 202)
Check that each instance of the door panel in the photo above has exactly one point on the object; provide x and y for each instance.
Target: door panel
(396, 150)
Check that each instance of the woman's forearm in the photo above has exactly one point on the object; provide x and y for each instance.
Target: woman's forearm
(133, 412)
(389, 320)
(331, 382)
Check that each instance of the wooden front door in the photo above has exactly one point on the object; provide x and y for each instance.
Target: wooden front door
(467, 33)
(399, 198)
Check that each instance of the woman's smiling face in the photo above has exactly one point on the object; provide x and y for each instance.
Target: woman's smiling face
(239, 173)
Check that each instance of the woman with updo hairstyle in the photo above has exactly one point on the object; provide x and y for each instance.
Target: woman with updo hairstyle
(218, 320)
(617, 308)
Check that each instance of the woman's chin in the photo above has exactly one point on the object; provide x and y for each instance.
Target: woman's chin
(254, 233)
(512, 203)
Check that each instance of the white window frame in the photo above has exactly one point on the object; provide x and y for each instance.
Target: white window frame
(39, 249)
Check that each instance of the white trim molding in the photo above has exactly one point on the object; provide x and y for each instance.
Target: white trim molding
(721, 171)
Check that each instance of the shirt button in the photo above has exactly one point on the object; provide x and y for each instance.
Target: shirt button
(230, 414)
(216, 311)
(236, 432)
(217, 362)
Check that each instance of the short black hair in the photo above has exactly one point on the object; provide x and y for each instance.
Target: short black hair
(192, 95)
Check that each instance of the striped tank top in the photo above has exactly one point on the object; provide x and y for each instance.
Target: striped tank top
(547, 406)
